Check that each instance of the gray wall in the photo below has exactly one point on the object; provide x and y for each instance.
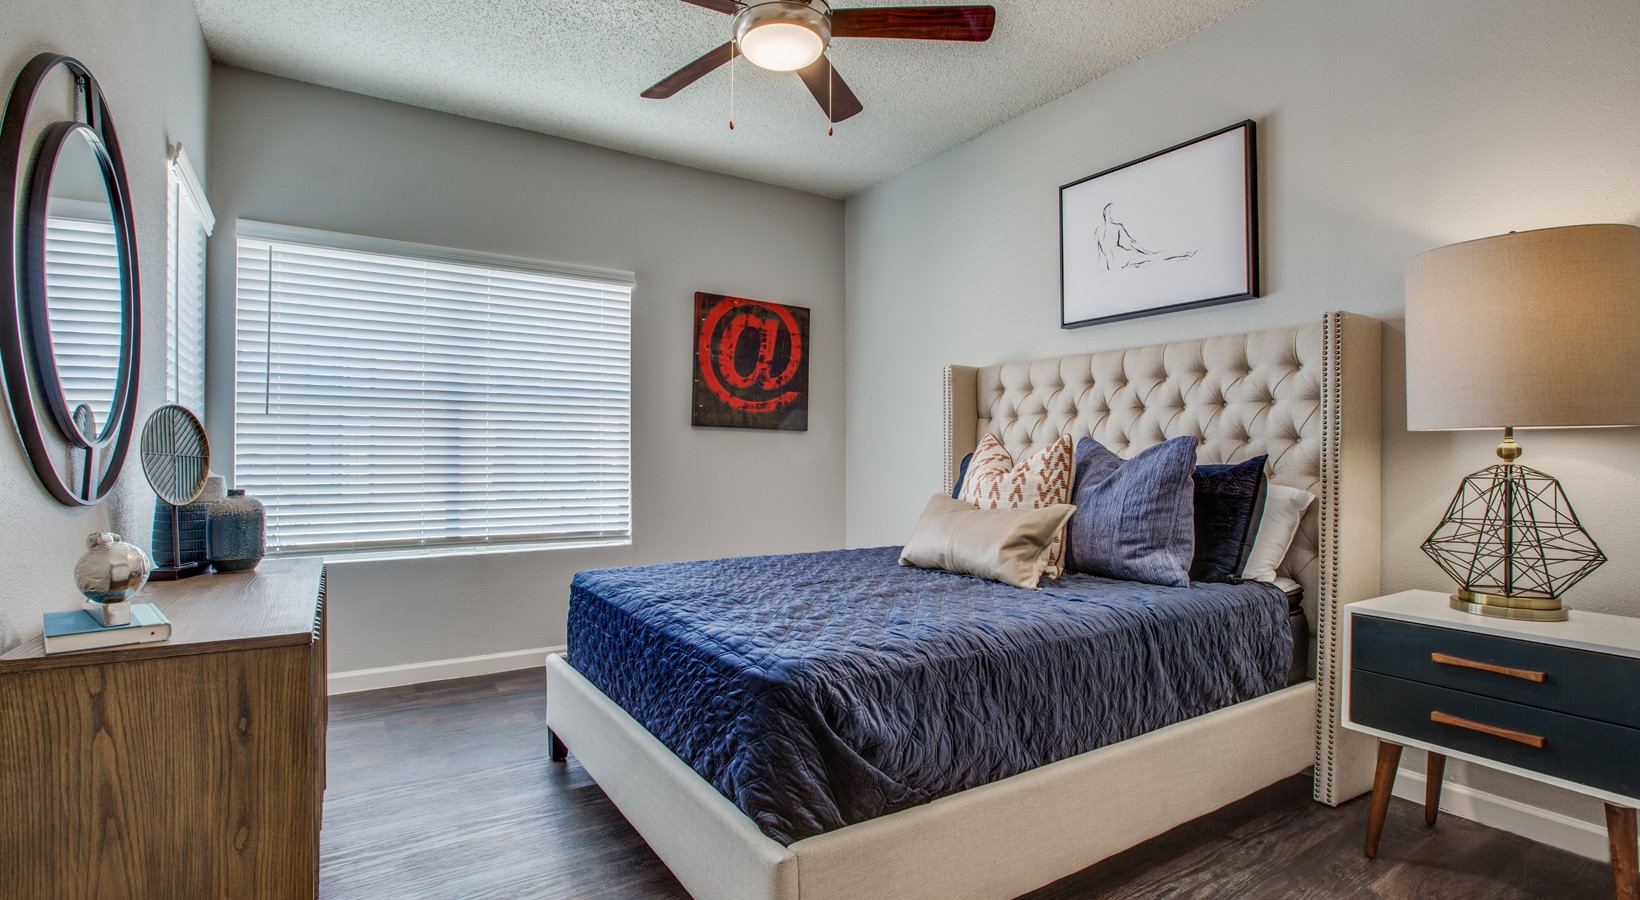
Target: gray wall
(1385, 129)
(300, 155)
(150, 59)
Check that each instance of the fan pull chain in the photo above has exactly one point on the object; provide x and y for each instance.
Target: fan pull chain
(733, 54)
(831, 77)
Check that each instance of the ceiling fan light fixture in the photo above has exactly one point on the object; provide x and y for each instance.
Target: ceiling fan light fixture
(782, 35)
(781, 46)
(793, 35)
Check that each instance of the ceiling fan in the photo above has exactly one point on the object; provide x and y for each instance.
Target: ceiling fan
(792, 36)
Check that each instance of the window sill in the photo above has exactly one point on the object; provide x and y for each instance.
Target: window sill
(344, 557)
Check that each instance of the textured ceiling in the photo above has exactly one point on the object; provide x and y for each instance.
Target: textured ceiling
(574, 68)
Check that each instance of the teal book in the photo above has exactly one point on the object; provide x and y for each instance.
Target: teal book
(79, 630)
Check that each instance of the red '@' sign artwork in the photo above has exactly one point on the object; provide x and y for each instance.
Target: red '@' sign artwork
(751, 363)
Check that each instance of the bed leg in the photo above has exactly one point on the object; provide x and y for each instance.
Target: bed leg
(556, 748)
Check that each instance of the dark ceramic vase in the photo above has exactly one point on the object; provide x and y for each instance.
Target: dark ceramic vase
(189, 532)
(238, 535)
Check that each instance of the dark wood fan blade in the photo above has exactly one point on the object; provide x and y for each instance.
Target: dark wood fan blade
(921, 23)
(691, 73)
(722, 6)
(828, 88)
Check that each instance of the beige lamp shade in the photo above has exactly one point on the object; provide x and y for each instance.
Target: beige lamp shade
(1529, 329)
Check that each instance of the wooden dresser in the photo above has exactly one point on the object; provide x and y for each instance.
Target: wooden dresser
(190, 769)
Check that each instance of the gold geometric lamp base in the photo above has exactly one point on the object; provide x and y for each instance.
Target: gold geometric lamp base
(1512, 541)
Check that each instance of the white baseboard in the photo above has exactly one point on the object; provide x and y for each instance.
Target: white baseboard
(438, 670)
(1534, 822)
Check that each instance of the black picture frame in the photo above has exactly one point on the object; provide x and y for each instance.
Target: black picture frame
(1196, 201)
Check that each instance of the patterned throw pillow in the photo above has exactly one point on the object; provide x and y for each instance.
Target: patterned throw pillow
(1039, 480)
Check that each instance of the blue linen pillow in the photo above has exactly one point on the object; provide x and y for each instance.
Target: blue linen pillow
(1135, 519)
(962, 472)
(1229, 501)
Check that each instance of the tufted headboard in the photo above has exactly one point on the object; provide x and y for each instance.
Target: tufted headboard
(1307, 395)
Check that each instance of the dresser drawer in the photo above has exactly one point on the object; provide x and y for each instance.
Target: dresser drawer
(1580, 682)
(1575, 749)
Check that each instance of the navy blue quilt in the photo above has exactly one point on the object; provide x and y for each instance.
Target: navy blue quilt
(821, 689)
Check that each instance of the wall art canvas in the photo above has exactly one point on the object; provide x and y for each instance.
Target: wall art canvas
(1174, 230)
(751, 363)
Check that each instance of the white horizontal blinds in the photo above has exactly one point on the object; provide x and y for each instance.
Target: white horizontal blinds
(189, 355)
(190, 226)
(82, 275)
(386, 401)
(173, 217)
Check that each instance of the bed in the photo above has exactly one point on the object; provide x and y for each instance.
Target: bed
(1308, 397)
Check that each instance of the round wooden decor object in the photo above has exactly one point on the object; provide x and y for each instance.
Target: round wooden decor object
(176, 457)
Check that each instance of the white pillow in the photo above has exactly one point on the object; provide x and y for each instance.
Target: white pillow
(1283, 509)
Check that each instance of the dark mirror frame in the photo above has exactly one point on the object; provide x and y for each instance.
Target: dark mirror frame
(44, 353)
(26, 353)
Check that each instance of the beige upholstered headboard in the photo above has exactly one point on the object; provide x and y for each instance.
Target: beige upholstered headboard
(1308, 396)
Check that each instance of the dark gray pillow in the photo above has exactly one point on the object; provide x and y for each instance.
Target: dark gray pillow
(1229, 502)
(1134, 519)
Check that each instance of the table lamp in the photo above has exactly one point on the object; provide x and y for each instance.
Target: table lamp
(1532, 329)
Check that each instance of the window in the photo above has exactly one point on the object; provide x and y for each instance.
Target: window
(190, 223)
(82, 275)
(392, 396)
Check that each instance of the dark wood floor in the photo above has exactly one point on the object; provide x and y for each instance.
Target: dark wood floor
(444, 791)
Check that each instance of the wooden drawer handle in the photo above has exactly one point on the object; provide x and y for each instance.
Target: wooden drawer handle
(1523, 674)
(1519, 737)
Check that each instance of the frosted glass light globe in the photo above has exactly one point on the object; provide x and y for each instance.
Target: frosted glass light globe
(781, 46)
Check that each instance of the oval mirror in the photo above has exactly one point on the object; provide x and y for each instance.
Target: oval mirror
(70, 312)
(78, 321)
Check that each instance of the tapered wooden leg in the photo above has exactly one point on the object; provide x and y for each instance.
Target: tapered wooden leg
(556, 748)
(1434, 771)
(1621, 832)
(1383, 782)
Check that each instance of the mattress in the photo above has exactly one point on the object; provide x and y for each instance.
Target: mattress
(822, 689)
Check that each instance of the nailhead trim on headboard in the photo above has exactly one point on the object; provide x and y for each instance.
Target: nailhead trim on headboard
(1327, 630)
(948, 391)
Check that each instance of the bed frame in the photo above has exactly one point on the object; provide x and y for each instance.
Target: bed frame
(1308, 396)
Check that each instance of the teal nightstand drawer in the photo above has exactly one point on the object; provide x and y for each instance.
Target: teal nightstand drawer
(1573, 748)
(1579, 682)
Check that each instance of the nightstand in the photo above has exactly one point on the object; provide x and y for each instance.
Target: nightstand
(1556, 702)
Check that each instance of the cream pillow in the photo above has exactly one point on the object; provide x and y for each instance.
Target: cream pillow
(1007, 545)
(1283, 509)
(1038, 481)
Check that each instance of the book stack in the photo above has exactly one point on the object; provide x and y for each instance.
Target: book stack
(79, 630)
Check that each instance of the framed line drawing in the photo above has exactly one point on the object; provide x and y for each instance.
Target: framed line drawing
(1177, 229)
